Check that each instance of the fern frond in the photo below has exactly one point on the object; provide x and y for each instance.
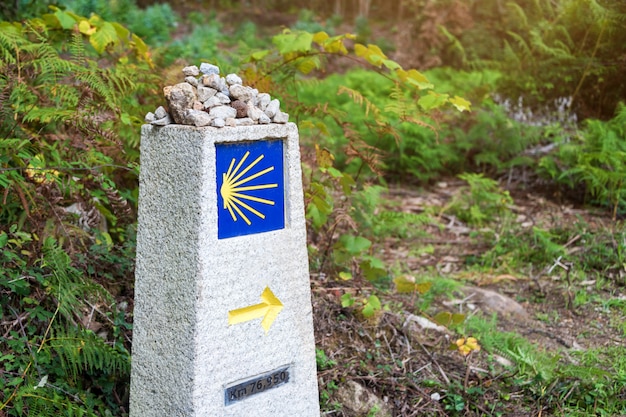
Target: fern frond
(538, 43)
(360, 99)
(81, 350)
(522, 46)
(519, 16)
(50, 402)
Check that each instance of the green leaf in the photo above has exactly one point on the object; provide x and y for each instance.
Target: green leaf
(347, 182)
(122, 32)
(347, 300)
(460, 103)
(372, 305)
(4, 238)
(392, 65)
(289, 42)
(374, 301)
(103, 37)
(432, 100)
(373, 268)
(259, 55)
(65, 20)
(354, 245)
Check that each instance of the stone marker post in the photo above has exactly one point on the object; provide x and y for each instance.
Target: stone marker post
(222, 319)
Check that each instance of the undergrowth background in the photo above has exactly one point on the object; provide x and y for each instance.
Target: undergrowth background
(505, 96)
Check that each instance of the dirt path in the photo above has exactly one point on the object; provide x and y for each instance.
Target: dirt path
(395, 364)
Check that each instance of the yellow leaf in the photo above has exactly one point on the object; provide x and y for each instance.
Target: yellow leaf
(460, 103)
(85, 28)
(324, 157)
(407, 284)
(402, 74)
(418, 79)
(335, 45)
(360, 50)
(320, 37)
(374, 49)
(345, 276)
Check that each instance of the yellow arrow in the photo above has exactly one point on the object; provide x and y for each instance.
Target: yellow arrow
(268, 309)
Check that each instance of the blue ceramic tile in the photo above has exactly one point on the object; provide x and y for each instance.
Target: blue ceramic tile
(250, 187)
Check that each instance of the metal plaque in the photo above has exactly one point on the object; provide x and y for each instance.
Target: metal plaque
(270, 380)
(250, 187)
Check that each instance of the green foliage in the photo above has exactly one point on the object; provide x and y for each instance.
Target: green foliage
(69, 120)
(54, 364)
(601, 161)
(71, 89)
(23, 9)
(201, 43)
(368, 307)
(362, 138)
(154, 24)
(482, 202)
(532, 41)
(323, 361)
(593, 384)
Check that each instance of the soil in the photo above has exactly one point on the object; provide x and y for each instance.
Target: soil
(407, 367)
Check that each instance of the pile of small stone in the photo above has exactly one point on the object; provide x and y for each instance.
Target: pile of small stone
(207, 99)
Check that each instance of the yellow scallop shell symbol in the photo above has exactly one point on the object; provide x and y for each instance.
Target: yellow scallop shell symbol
(234, 190)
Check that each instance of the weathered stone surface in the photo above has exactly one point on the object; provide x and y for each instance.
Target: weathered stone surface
(241, 107)
(232, 79)
(149, 117)
(254, 112)
(167, 120)
(210, 90)
(246, 121)
(192, 80)
(212, 102)
(205, 93)
(264, 119)
(361, 401)
(207, 68)
(214, 81)
(280, 117)
(198, 118)
(191, 70)
(223, 98)
(240, 92)
(223, 112)
(185, 353)
(263, 99)
(218, 122)
(160, 112)
(180, 98)
(272, 108)
(231, 121)
(493, 302)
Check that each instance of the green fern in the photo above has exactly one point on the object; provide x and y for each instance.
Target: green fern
(81, 350)
(67, 284)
